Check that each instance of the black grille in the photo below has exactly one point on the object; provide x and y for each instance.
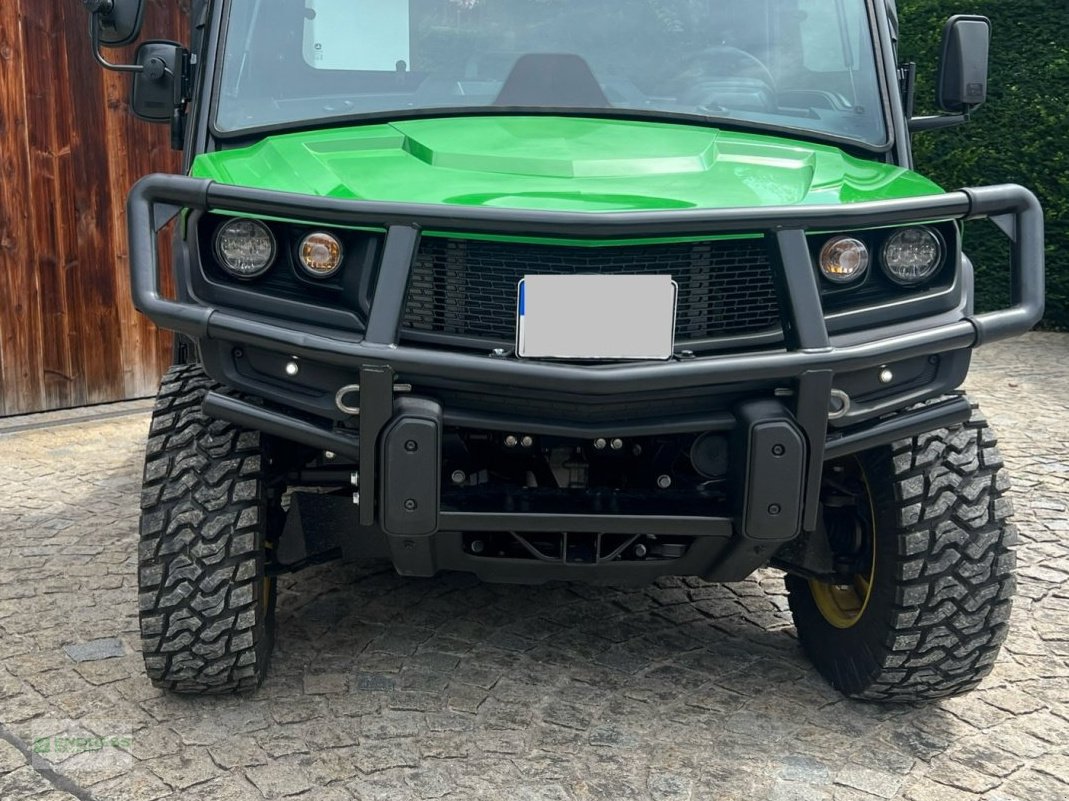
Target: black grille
(468, 287)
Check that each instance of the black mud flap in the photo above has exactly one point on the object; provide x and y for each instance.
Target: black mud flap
(410, 476)
(770, 496)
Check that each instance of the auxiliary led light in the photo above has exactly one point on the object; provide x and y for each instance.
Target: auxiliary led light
(245, 248)
(844, 259)
(912, 255)
(320, 254)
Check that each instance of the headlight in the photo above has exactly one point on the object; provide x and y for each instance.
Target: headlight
(844, 259)
(912, 255)
(245, 248)
(320, 254)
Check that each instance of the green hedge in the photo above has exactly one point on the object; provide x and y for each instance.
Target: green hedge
(1020, 136)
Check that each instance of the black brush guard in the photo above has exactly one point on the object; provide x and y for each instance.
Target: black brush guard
(408, 519)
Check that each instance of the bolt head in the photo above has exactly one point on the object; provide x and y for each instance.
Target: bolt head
(778, 450)
(527, 442)
(640, 550)
(292, 368)
(617, 444)
(886, 376)
(411, 446)
(410, 505)
(511, 441)
(775, 509)
(599, 444)
(329, 455)
(477, 546)
(664, 482)
(498, 353)
(459, 476)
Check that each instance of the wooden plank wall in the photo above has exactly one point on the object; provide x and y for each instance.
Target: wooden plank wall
(69, 151)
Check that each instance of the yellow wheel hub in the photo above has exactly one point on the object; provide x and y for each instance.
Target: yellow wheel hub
(843, 605)
(265, 593)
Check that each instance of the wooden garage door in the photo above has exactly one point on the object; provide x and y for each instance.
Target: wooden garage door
(68, 154)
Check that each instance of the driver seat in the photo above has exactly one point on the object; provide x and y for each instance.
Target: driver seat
(562, 80)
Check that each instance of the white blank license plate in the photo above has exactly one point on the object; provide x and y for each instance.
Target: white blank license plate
(596, 317)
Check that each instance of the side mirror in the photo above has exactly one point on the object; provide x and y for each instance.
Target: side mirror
(117, 22)
(963, 66)
(157, 91)
(160, 70)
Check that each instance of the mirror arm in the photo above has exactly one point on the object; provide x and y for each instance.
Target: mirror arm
(94, 37)
(921, 124)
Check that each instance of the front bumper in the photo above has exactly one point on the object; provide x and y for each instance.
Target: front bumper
(156, 199)
(805, 369)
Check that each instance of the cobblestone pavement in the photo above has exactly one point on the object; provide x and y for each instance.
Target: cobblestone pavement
(384, 688)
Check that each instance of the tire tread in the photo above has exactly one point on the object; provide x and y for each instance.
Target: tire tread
(954, 572)
(201, 551)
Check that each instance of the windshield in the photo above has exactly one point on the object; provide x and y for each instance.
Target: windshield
(794, 64)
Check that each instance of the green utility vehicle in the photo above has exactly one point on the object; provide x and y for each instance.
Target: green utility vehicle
(580, 290)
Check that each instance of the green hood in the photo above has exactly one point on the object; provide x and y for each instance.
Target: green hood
(559, 163)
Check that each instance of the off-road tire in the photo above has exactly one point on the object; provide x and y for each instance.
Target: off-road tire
(944, 573)
(206, 609)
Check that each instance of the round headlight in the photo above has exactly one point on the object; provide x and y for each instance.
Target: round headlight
(844, 259)
(245, 248)
(320, 254)
(912, 255)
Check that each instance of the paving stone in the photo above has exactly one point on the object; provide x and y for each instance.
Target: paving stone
(94, 650)
(332, 765)
(11, 758)
(962, 777)
(232, 787)
(429, 783)
(502, 742)
(139, 784)
(372, 757)
(928, 790)
(570, 716)
(982, 756)
(664, 786)
(393, 724)
(1054, 765)
(387, 787)
(22, 783)
(1015, 702)
(874, 782)
(789, 791)
(804, 769)
(279, 780)
(55, 795)
(191, 766)
(1029, 785)
(325, 683)
(371, 682)
(237, 752)
(280, 744)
